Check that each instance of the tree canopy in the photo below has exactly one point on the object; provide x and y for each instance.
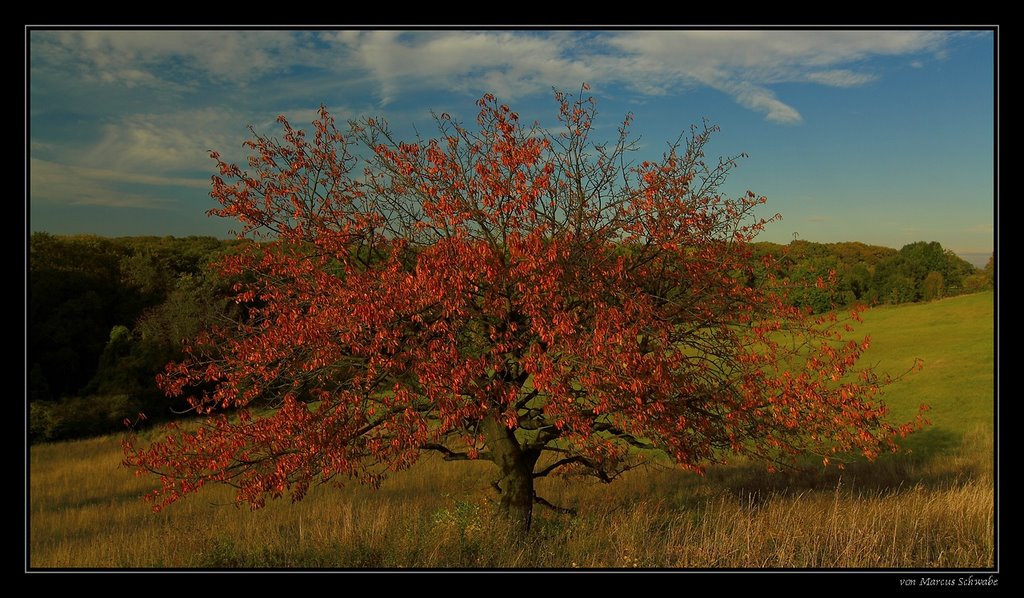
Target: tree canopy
(503, 292)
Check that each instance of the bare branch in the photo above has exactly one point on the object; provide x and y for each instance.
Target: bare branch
(450, 455)
(598, 472)
(622, 435)
(565, 510)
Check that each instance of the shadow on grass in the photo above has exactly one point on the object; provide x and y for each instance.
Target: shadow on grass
(224, 554)
(934, 459)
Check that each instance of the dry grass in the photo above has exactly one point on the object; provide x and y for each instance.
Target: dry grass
(929, 509)
(85, 511)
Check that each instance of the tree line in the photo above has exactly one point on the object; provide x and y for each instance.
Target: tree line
(105, 315)
(870, 274)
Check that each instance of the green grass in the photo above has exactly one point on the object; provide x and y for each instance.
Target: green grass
(930, 508)
(954, 338)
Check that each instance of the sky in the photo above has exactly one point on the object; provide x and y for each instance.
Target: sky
(879, 136)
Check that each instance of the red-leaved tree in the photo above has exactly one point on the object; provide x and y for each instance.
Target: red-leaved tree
(500, 292)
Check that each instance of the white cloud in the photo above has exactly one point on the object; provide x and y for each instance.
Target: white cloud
(760, 99)
(506, 63)
(742, 64)
(772, 49)
(177, 143)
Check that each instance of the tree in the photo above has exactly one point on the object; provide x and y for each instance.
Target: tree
(934, 286)
(75, 299)
(105, 315)
(858, 278)
(807, 293)
(507, 293)
(982, 278)
(902, 277)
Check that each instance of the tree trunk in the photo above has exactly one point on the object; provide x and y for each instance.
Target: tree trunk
(516, 466)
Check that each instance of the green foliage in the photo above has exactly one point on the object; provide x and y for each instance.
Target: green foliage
(75, 417)
(902, 277)
(464, 518)
(983, 279)
(858, 282)
(934, 286)
(75, 298)
(808, 292)
(105, 316)
(900, 289)
(870, 274)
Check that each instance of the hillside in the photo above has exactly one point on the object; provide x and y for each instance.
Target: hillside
(955, 339)
(929, 508)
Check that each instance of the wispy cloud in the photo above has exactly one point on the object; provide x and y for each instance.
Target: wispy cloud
(512, 64)
(840, 78)
(54, 182)
(744, 63)
(507, 63)
(216, 70)
(170, 142)
(761, 99)
(817, 219)
(174, 59)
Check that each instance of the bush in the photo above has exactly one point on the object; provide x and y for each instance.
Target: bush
(79, 416)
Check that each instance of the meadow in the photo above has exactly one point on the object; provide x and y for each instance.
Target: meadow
(931, 506)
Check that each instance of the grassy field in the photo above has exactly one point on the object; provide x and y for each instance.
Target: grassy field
(931, 508)
(954, 338)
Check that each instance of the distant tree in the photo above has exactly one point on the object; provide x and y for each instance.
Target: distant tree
(88, 297)
(74, 300)
(859, 281)
(955, 270)
(806, 292)
(934, 286)
(901, 277)
(504, 293)
(982, 279)
(916, 260)
(902, 289)
(853, 252)
(188, 299)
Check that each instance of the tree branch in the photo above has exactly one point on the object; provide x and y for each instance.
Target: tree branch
(521, 403)
(555, 508)
(621, 434)
(450, 455)
(600, 473)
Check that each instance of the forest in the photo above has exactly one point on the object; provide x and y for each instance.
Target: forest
(105, 315)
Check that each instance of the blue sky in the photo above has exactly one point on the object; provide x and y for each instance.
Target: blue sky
(884, 137)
